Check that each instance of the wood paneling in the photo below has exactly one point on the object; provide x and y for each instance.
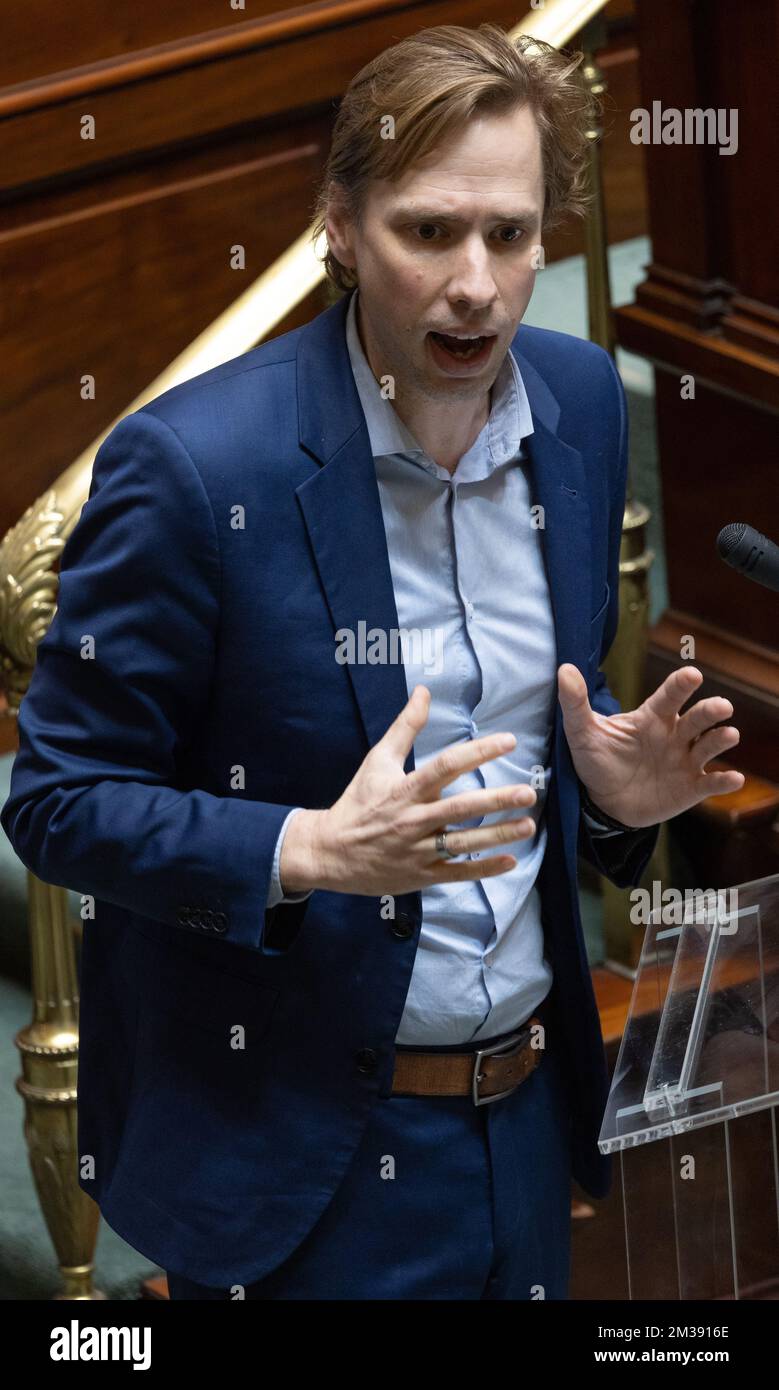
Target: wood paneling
(708, 311)
(214, 84)
(118, 287)
(42, 38)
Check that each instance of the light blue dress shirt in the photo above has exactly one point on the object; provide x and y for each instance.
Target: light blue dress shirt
(468, 571)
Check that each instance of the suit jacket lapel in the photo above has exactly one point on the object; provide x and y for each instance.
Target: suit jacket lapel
(342, 511)
(559, 486)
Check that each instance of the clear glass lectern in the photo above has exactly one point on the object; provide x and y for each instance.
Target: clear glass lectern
(691, 1111)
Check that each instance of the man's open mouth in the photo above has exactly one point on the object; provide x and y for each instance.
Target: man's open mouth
(463, 347)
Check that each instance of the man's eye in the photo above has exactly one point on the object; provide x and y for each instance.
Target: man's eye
(518, 233)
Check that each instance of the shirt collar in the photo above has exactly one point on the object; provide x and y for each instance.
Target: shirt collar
(499, 442)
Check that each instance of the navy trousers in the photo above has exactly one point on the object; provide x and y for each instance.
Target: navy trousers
(443, 1200)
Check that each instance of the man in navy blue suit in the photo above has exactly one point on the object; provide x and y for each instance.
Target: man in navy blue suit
(329, 633)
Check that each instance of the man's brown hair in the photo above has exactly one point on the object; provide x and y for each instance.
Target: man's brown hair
(431, 84)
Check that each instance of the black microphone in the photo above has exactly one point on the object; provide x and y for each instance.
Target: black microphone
(749, 552)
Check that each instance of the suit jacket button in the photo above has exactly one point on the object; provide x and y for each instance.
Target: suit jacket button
(366, 1059)
(403, 926)
(220, 921)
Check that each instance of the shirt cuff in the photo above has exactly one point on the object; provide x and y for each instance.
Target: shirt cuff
(598, 828)
(275, 894)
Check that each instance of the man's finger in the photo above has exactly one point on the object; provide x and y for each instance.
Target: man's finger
(460, 871)
(705, 713)
(674, 692)
(465, 805)
(426, 782)
(412, 718)
(714, 742)
(719, 783)
(573, 697)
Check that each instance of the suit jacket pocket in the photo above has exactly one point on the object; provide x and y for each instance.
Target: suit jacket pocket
(213, 1016)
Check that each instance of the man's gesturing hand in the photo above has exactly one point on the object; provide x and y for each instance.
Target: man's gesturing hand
(379, 836)
(648, 764)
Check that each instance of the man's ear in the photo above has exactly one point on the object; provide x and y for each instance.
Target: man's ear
(338, 226)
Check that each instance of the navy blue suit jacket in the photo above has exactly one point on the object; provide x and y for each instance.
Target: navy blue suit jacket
(232, 526)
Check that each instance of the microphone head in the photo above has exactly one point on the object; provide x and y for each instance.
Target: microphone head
(729, 537)
(750, 553)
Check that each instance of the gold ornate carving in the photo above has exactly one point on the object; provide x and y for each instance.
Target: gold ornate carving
(28, 590)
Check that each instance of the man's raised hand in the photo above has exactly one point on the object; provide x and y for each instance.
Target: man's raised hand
(379, 836)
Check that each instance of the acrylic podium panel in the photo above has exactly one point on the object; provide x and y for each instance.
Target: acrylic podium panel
(692, 1106)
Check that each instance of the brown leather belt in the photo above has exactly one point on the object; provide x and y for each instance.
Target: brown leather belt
(484, 1075)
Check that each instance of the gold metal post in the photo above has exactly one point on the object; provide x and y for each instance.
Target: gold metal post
(624, 666)
(49, 1051)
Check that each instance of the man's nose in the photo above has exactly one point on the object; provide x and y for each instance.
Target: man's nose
(472, 279)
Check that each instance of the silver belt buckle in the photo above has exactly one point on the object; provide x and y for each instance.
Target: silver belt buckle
(509, 1045)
